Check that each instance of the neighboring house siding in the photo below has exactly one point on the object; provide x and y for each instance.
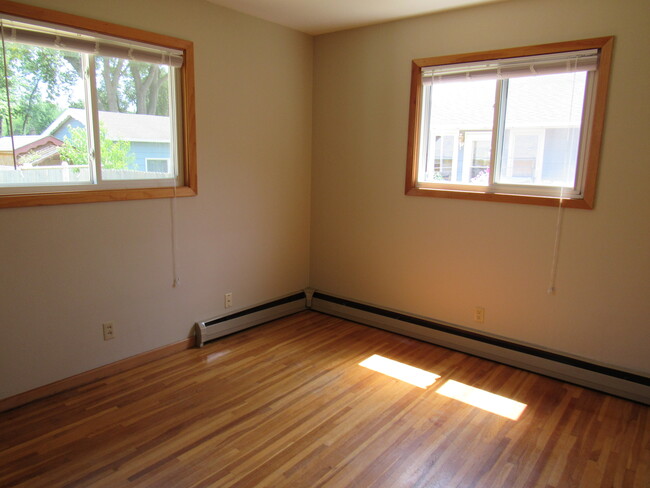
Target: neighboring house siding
(64, 131)
(555, 151)
(144, 150)
(141, 151)
(555, 146)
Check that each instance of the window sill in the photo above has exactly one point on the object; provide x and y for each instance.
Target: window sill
(584, 203)
(72, 197)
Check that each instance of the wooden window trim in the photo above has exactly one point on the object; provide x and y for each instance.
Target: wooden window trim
(187, 114)
(604, 44)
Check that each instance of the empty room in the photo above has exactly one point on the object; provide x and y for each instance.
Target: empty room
(310, 243)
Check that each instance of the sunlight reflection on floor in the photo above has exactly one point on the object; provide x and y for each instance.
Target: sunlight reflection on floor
(482, 399)
(415, 376)
(470, 395)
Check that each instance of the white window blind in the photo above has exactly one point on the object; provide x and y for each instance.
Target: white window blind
(567, 62)
(59, 38)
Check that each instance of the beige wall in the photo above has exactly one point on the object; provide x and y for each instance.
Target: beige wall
(66, 269)
(440, 258)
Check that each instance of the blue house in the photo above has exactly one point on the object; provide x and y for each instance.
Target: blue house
(149, 135)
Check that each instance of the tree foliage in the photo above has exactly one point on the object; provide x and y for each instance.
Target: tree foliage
(42, 84)
(132, 86)
(38, 77)
(115, 154)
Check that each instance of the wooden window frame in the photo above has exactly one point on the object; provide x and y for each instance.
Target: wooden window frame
(186, 113)
(593, 145)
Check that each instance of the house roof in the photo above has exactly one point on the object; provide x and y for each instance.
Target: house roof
(42, 154)
(38, 144)
(19, 142)
(530, 104)
(120, 126)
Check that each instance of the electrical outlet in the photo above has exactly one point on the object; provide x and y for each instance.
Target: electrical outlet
(227, 300)
(109, 330)
(479, 314)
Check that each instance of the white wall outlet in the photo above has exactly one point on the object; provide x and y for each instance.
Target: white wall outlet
(227, 300)
(479, 314)
(109, 330)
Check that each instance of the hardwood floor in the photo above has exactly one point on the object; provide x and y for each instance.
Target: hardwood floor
(286, 404)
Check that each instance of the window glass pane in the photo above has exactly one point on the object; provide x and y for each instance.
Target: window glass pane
(524, 156)
(158, 165)
(442, 158)
(465, 109)
(50, 147)
(134, 118)
(542, 130)
(478, 148)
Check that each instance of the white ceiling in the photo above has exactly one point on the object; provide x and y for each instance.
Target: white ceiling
(323, 16)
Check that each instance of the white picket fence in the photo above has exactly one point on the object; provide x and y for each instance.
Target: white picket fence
(65, 173)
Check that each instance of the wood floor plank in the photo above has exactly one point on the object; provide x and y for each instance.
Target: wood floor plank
(287, 404)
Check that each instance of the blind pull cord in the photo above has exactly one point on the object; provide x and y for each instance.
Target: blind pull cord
(560, 208)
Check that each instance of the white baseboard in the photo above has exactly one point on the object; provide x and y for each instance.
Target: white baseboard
(549, 363)
(234, 322)
(581, 372)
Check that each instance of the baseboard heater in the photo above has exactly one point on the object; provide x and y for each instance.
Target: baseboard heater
(228, 324)
(579, 371)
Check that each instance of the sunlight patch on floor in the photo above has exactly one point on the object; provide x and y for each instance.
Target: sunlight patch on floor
(482, 399)
(409, 374)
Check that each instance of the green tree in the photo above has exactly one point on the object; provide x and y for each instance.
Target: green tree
(150, 84)
(41, 78)
(37, 77)
(115, 154)
(110, 75)
(130, 86)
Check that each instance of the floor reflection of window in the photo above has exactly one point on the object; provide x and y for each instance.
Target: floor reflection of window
(409, 374)
(482, 399)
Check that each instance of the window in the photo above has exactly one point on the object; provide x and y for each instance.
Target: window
(157, 165)
(517, 125)
(442, 163)
(91, 111)
(525, 157)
